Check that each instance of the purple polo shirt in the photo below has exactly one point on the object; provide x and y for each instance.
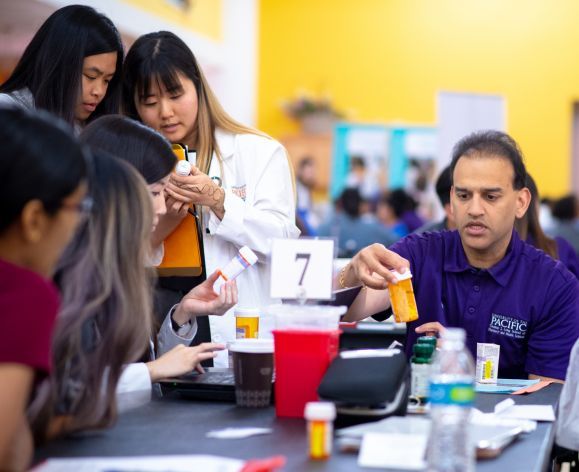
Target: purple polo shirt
(527, 303)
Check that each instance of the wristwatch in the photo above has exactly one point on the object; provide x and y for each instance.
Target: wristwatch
(176, 326)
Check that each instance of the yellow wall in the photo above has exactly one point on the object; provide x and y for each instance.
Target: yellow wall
(386, 59)
(203, 16)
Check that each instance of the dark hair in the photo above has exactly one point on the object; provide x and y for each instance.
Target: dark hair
(51, 66)
(39, 160)
(565, 209)
(350, 201)
(443, 186)
(529, 224)
(157, 56)
(399, 201)
(306, 161)
(357, 161)
(105, 317)
(148, 151)
(492, 143)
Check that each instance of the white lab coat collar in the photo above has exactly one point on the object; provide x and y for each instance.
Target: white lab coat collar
(226, 142)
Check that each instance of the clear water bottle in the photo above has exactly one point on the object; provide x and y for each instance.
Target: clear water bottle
(451, 397)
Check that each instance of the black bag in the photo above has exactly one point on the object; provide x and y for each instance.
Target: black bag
(367, 385)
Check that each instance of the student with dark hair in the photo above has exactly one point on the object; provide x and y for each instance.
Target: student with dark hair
(42, 198)
(443, 186)
(71, 68)
(529, 229)
(242, 180)
(151, 155)
(106, 320)
(352, 230)
(145, 149)
(482, 277)
(566, 215)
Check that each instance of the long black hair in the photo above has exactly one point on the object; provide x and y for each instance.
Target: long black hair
(144, 148)
(39, 160)
(51, 65)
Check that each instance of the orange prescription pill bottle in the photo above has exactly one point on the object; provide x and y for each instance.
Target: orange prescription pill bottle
(320, 417)
(246, 323)
(402, 298)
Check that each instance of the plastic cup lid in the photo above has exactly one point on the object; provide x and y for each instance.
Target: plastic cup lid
(254, 346)
(247, 312)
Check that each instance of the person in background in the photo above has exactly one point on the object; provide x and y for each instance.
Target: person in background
(42, 199)
(566, 215)
(352, 230)
(397, 211)
(305, 182)
(530, 230)
(71, 68)
(106, 319)
(242, 179)
(483, 277)
(443, 186)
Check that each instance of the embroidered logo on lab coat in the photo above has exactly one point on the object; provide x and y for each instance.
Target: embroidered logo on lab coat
(240, 191)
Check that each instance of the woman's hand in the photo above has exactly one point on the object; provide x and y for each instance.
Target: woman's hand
(202, 300)
(181, 360)
(197, 188)
(372, 267)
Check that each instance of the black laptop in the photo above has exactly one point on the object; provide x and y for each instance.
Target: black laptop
(216, 384)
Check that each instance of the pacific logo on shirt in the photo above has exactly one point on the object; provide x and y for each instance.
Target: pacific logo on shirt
(508, 326)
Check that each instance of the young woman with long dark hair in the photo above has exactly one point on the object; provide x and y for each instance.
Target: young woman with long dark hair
(242, 179)
(105, 324)
(71, 68)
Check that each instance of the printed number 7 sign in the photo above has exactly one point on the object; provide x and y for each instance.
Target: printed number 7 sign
(302, 268)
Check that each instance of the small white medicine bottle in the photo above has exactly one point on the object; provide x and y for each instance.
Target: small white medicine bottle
(244, 258)
(183, 168)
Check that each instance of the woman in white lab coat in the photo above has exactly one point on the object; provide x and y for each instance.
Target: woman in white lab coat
(242, 178)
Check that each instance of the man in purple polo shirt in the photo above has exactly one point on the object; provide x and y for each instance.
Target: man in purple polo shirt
(482, 277)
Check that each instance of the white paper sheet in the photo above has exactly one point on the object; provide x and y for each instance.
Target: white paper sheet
(530, 412)
(185, 463)
(392, 450)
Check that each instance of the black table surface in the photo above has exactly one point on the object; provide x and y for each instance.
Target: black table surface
(173, 425)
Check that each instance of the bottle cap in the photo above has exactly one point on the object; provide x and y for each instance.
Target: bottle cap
(454, 334)
(431, 340)
(323, 411)
(247, 312)
(423, 350)
(183, 168)
(404, 276)
(248, 255)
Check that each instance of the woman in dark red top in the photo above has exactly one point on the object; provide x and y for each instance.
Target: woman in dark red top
(42, 197)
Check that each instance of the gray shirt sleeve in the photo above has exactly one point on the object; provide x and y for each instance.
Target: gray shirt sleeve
(167, 338)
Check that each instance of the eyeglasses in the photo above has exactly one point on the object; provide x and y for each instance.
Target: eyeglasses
(84, 207)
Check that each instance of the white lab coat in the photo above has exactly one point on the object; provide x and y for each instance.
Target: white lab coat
(259, 206)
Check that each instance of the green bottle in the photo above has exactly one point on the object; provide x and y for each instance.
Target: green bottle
(420, 364)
